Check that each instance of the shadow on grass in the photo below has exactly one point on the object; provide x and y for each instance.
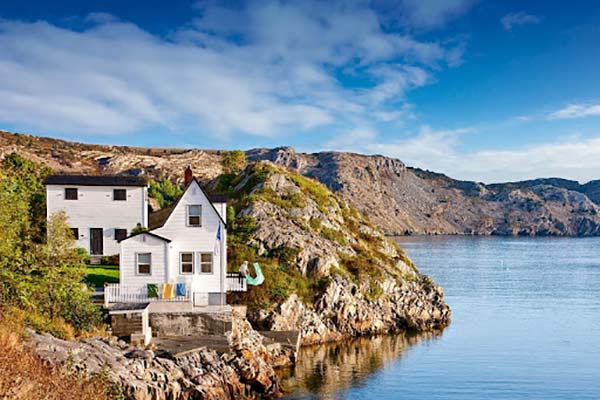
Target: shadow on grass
(98, 275)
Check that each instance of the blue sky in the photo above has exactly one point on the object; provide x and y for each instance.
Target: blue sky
(480, 90)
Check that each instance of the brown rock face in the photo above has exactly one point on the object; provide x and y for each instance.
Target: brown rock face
(403, 200)
(246, 373)
(370, 287)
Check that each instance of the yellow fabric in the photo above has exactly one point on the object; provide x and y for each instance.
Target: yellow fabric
(167, 291)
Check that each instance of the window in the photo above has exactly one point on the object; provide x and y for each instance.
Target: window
(71, 194)
(186, 263)
(206, 263)
(120, 194)
(120, 234)
(194, 214)
(144, 263)
(75, 233)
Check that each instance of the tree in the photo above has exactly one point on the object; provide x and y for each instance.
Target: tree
(164, 191)
(39, 275)
(233, 162)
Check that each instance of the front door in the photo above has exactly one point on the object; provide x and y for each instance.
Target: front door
(96, 244)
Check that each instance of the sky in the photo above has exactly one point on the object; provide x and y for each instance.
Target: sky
(480, 90)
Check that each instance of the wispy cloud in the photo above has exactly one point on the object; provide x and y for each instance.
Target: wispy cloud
(432, 13)
(576, 111)
(263, 68)
(439, 150)
(518, 18)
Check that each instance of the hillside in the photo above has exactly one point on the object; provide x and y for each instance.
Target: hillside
(398, 199)
(330, 273)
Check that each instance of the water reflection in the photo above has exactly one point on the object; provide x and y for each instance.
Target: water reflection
(323, 371)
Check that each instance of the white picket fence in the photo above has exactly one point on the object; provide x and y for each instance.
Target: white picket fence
(118, 293)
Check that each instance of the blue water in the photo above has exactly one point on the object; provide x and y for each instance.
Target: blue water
(525, 325)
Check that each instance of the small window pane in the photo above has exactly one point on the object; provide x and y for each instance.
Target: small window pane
(120, 234)
(75, 233)
(144, 269)
(187, 257)
(120, 194)
(206, 265)
(71, 193)
(144, 258)
(194, 215)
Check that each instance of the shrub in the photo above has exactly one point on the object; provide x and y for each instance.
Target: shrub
(83, 253)
(164, 191)
(233, 162)
(334, 235)
(24, 376)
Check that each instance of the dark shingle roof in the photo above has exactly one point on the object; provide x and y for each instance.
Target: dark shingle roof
(96, 180)
(146, 233)
(217, 198)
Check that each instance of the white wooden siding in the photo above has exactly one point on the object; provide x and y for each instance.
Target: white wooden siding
(143, 244)
(195, 239)
(95, 208)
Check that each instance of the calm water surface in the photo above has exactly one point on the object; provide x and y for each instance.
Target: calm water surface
(525, 325)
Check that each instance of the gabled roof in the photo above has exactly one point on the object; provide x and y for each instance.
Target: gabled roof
(158, 218)
(96, 180)
(146, 233)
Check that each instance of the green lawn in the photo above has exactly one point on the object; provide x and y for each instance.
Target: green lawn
(97, 275)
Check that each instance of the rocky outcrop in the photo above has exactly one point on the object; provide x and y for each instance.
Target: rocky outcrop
(367, 285)
(245, 373)
(343, 312)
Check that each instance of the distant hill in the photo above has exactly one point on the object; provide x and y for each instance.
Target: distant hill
(399, 199)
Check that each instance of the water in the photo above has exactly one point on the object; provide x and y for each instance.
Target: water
(525, 325)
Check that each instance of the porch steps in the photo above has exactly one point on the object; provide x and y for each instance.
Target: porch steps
(95, 260)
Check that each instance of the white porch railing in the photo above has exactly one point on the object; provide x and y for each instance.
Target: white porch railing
(235, 282)
(118, 293)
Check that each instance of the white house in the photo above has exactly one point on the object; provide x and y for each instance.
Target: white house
(186, 244)
(101, 210)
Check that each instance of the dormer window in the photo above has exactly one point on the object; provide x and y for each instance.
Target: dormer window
(70, 193)
(194, 215)
(120, 194)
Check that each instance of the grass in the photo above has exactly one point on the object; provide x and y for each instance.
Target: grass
(98, 275)
(24, 376)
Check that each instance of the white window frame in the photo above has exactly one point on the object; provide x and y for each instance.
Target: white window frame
(212, 263)
(181, 263)
(187, 215)
(137, 264)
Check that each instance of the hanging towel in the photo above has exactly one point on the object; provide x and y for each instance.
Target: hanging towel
(152, 290)
(259, 276)
(167, 291)
(180, 289)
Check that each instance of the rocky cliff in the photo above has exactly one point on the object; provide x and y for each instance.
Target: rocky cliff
(244, 373)
(398, 199)
(403, 200)
(330, 273)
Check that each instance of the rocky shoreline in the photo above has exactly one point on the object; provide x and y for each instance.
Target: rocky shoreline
(343, 312)
(246, 372)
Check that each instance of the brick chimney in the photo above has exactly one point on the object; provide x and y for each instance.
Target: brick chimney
(188, 175)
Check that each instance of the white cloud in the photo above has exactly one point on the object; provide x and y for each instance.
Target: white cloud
(576, 111)
(518, 18)
(264, 68)
(432, 13)
(574, 158)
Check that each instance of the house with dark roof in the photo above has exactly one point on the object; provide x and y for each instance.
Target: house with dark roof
(183, 255)
(101, 210)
